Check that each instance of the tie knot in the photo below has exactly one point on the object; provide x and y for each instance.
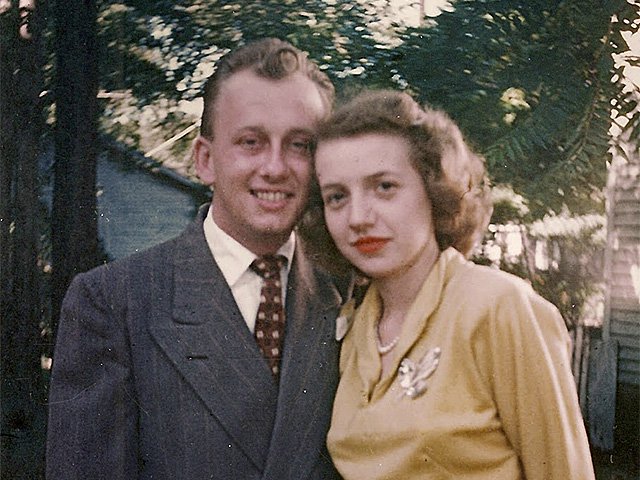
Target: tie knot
(268, 266)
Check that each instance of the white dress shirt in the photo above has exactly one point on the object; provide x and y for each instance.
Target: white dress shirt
(234, 260)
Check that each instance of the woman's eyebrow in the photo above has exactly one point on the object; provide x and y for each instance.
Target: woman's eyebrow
(367, 179)
(333, 185)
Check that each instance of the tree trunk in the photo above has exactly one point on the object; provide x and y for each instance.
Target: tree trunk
(74, 218)
(23, 404)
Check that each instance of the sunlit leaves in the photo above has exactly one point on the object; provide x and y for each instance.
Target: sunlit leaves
(530, 83)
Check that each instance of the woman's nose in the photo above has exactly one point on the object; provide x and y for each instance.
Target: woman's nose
(361, 213)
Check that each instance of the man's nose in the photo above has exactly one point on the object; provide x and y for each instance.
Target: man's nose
(275, 164)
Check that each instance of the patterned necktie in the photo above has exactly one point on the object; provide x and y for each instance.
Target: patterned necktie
(269, 328)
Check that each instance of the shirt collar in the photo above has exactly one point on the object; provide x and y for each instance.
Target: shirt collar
(232, 257)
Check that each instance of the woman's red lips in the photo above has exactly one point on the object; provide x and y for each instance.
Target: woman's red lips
(370, 244)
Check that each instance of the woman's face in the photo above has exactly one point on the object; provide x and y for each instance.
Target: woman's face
(375, 204)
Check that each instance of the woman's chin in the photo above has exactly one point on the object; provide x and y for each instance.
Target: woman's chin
(371, 272)
(373, 266)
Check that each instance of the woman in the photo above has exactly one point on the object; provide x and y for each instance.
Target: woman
(450, 369)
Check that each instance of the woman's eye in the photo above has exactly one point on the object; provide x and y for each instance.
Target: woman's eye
(386, 186)
(334, 199)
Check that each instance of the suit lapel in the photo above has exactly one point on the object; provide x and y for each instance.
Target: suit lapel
(207, 340)
(309, 375)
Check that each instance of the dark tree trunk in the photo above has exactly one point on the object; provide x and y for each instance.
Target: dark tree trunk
(21, 121)
(74, 218)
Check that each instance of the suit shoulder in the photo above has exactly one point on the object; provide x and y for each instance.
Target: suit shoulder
(140, 263)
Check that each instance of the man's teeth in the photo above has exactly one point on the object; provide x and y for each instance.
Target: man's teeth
(271, 196)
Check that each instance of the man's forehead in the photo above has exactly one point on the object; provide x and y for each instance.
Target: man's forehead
(259, 100)
(245, 81)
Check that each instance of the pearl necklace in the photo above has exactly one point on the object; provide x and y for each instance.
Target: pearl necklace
(384, 349)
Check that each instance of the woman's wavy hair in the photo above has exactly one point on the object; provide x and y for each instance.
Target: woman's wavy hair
(269, 58)
(454, 177)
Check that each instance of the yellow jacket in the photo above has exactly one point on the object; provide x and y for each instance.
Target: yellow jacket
(500, 404)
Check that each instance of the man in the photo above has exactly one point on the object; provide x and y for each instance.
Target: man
(158, 371)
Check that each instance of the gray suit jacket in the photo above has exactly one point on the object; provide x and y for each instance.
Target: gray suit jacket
(156, 375)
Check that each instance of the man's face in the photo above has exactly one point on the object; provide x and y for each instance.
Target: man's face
(259, 160)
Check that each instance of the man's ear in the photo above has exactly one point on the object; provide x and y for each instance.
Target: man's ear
(203, 159)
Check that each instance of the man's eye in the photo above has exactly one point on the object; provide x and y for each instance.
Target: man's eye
(251, 143)
(301, 146)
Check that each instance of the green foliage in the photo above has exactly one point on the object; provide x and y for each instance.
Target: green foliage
(530, 82)
(169, 48)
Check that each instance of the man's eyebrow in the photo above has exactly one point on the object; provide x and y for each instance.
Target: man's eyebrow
(252, 129)
(302, 131)
(260, 129)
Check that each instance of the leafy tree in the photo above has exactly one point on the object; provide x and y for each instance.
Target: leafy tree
(531, 83)
(174, 39)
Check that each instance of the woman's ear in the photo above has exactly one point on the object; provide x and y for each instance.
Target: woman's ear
(204, 161)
